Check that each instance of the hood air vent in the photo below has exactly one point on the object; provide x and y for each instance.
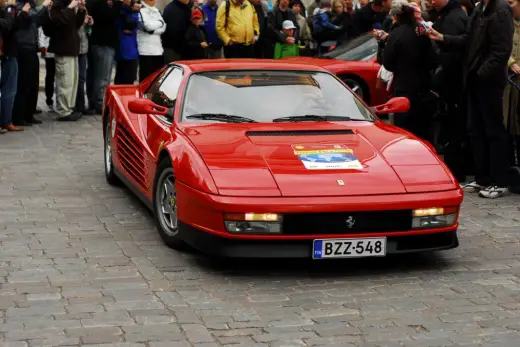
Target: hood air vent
(299, 133)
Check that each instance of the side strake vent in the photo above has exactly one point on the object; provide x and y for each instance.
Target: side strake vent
(300, 132)
(131, 156)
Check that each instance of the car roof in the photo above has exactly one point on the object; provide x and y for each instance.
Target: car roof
(248, 64)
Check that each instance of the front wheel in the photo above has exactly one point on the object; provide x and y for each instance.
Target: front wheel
(356, 86)
(165, 205)
(110, 175)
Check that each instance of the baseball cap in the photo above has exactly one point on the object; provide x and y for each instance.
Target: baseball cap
(288, 24)
(196, 14)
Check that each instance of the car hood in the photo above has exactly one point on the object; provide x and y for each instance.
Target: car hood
(332, 159)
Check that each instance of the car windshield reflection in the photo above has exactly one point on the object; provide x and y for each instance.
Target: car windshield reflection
(264, 96)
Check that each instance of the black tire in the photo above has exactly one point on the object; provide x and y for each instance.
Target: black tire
(110, 175)
(363, 89)
(166, 227)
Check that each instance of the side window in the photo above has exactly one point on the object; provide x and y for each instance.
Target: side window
(157, 83)
(166, 93)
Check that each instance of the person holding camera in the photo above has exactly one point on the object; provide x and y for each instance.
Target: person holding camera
(103, 42)
(26, 36)
(66, 16)
(151, 27)
(127, 56)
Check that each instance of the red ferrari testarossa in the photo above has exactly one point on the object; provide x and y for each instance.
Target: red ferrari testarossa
(248, 158)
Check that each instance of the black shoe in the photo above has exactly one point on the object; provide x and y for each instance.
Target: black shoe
(38, 111)
(49, 102)
(89, 112)
(21, 123)
(33, 121)
(73, 117)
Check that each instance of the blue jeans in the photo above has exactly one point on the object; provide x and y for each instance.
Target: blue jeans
(101, 74)
(8, 87)
(82, 79)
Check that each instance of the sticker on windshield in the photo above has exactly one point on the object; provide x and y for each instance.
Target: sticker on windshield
(327, 157)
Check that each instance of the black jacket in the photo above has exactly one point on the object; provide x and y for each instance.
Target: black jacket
(65, 41)
(6, 25)
(177, 17)
(411, 58)
(488, 42)
(26, 31)
(194, 37)
(386, 27)
(452, 20)
(104, 32)
(346, 22)
(365, 19)
(262, 21)
(275, 18)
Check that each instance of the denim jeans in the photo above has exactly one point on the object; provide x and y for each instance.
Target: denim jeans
(102, 74)
(8, 87)
(82, 79)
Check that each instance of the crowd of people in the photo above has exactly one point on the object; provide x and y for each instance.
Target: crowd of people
(455, 60)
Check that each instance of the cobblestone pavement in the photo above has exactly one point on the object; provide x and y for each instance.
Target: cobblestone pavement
(81, 264)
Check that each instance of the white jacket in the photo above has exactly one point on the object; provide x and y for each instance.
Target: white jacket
(151, 26)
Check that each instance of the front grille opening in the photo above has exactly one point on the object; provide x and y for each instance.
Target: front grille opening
(437, 240)
(347, 222)
(299, 132)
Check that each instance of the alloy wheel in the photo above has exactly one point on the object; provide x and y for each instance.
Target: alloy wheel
(167, 204)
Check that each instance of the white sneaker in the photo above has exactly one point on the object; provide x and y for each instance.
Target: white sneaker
(493, 192)
(472, 187)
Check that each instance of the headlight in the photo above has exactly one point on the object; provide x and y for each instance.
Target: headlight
(434, 217)
(253, 223)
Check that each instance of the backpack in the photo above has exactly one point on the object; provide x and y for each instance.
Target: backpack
(48, 26)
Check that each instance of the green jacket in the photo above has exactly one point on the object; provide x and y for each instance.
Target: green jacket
(282, 50)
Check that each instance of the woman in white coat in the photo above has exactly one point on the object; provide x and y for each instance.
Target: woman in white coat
(151, 26)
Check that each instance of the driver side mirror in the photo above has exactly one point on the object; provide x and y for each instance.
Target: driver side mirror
(394, 105)
(146, 106)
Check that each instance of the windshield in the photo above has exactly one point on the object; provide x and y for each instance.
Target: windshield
(267, 96)
(359, 49)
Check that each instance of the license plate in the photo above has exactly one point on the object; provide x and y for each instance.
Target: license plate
(349, 248)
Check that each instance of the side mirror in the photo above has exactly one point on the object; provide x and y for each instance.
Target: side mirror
(145, 106)
(394, 105)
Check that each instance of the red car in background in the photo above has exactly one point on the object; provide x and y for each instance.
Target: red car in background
(248, 158)
(355, 63)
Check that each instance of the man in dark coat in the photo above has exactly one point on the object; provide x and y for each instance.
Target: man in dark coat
(447, 82)
(262, 45)
(26, 36)
(488, 42)
(366, 18)
(177, 17)
(67, 17)
(103, 42)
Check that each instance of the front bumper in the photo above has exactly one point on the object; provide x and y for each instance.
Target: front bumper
(297, 248)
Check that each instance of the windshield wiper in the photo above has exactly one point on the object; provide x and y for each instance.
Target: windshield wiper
(313, 118)
(222, 117)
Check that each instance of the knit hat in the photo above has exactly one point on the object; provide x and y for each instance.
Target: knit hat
(196, 14)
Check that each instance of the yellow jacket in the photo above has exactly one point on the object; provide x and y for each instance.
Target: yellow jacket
(242, 23)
